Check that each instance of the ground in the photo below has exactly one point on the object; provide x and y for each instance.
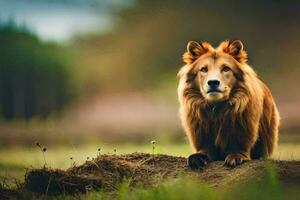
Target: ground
(106, 172)
(15, 161)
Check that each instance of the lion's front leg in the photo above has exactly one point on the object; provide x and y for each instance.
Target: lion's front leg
(239, 140)
(204, 151)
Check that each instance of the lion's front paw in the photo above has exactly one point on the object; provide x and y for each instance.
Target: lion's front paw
(232, 160)
(197, 161)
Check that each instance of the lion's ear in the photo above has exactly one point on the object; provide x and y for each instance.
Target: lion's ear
(194, 51)
(236, 50)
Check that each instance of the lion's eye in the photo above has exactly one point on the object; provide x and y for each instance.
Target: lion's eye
(226, 69)
(204, 69)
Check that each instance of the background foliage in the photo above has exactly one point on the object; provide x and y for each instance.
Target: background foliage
(35, 77)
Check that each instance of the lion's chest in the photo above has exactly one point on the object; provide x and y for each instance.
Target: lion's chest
(217, 130)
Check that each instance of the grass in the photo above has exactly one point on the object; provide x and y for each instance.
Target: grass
(187, 188)
(15, 160)
(184, 188)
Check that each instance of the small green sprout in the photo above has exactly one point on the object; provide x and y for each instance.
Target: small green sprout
(153, 142)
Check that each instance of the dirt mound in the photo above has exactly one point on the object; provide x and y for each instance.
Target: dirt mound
(107, 171)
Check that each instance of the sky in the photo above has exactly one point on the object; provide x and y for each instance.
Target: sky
(59, 20)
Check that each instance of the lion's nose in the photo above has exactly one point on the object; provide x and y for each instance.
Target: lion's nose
(213, 83)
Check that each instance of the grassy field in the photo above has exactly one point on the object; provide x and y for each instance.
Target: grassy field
(183, 188)
(15, 161)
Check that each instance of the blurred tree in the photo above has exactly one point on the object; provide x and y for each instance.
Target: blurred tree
(35, 77)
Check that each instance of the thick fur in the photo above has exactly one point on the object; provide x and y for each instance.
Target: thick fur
(240, 128)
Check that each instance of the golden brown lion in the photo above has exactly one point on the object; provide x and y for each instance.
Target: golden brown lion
(227, 112)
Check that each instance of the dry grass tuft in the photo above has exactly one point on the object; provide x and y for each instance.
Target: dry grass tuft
(106, 172)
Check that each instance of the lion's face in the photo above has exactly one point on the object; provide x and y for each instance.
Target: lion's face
(215, 78)
(216, 71)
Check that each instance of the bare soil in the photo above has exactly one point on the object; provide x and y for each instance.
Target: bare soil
(107, 171)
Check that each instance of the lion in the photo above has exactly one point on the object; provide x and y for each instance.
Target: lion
(227, 112)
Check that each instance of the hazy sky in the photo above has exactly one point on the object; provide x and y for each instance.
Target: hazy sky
(60, 19)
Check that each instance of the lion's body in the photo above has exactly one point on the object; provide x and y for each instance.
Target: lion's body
(246, 123)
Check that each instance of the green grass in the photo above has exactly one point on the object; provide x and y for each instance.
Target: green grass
(187, 188)
(15, 160)
(192, 189)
